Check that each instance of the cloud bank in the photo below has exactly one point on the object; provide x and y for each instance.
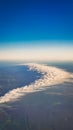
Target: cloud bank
(50, 76)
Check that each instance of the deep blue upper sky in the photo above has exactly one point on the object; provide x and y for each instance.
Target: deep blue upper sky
(31, 20)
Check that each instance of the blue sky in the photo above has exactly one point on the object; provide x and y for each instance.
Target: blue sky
(39, 22)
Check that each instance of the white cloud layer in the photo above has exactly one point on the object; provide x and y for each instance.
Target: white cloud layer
(50, 76)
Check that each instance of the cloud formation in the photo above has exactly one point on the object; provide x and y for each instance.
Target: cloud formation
(50, 76)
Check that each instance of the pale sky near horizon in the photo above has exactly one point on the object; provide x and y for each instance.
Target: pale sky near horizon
(42, 52)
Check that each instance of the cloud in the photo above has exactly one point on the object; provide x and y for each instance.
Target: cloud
(50, 76)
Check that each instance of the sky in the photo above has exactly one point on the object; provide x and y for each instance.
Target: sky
(36, 30)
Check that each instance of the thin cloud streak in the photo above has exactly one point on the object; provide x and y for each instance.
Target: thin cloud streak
(50, 76)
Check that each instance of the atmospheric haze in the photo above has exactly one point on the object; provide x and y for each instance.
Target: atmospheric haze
(39, 51)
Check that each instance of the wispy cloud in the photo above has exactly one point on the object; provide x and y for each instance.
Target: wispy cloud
(50, 76)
